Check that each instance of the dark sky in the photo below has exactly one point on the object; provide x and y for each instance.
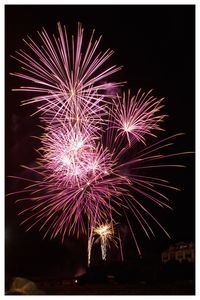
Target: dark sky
(155, 44)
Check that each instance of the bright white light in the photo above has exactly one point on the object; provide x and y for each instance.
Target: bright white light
(72, 92)
(128, 127)
(66, 161)
(93, 165)
(104, 230)
(77, 145)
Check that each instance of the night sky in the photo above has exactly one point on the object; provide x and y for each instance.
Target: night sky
(155, 44)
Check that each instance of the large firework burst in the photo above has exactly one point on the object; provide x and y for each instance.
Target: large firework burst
(65, 74)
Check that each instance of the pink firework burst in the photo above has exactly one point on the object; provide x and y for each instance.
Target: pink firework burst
(63, 204)
(137, 116)
(60, 208)
(64, 73)
(73, 156)
(69, 153)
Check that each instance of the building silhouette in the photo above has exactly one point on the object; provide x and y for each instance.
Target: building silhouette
(179, 252)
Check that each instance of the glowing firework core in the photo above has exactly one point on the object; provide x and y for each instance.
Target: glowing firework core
(104, 231)
(128, 127)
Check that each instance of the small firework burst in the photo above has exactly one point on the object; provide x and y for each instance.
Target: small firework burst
(105, 233)
(137, 116)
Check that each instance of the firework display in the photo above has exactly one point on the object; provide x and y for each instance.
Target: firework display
(94, 161)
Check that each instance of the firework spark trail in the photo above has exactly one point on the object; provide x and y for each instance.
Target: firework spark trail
(90, 116)
(88, 170)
